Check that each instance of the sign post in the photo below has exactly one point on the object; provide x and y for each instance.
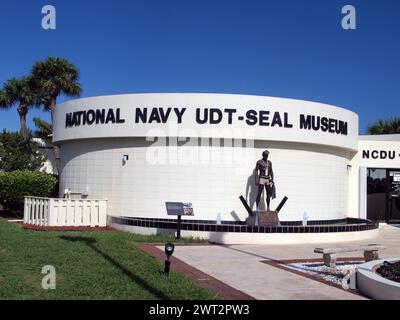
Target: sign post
(178, 227)
(179, 209)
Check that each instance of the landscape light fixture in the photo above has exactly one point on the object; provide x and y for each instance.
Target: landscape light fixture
(125, 158)
(169, 250)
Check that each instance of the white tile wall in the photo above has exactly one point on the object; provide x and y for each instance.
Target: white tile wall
(357, 161)
(314, 178)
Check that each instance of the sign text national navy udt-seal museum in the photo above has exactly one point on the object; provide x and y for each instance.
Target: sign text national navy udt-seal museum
(212, 116)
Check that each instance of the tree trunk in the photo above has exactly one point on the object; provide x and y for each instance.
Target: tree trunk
(22, 116)
(22, 110)
(56, 148)
(53, 108)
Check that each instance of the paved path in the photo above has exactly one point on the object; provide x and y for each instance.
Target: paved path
(239, 266)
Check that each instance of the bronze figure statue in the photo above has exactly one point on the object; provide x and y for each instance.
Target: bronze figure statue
(264, 177)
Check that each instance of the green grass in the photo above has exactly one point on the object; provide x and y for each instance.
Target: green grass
(89, 265)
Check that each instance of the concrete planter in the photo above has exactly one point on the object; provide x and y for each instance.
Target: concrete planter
(375, 286)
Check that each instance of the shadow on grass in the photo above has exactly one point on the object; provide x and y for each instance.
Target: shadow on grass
(90, 242)
(10, 215)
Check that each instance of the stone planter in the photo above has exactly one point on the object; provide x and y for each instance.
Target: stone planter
(374, 285)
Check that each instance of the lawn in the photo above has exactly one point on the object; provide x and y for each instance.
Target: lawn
(89, 265)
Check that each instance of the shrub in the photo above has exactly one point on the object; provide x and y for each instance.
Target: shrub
(390, 271)
(17, 184)
(13, 155)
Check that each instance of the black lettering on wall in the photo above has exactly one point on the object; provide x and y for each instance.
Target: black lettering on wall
(215, 116)
(316, 123)
(100, 116)
(141, 115)
(286, 121)
(78, 117)
(343, 128)
(379, 154)
(230, 113)
(276, 120)
(179, 114)
(90, 117)
(69, 120)
(199, 119)
(305, 122)
(119, 119)
(251, 117)
(264, 117)
(110, 116)
(154, 116)
(324, 124)
(164, 116)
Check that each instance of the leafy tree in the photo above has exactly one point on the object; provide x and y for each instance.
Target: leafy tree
(387, 126)
(53, 77)
(12, 153)
(21, 93)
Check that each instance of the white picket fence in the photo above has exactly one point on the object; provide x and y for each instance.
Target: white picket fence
(59, 212)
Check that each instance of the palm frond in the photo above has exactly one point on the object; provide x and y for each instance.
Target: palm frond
(4, 103)
(19, 91)
(385, 126)
(43, 130)
(57, 75)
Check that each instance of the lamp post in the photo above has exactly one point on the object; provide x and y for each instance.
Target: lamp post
(169, 250)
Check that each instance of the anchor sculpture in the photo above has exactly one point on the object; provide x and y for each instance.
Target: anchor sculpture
(266, 218)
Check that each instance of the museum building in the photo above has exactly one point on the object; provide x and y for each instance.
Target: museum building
(140, 151)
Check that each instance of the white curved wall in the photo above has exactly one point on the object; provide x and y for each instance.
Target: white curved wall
(314, 178)
(310, 165)
(245, 108)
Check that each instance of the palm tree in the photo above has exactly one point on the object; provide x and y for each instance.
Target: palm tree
(43, 130)
(388, 126)
(20, 92)
(53, 77)
(2, 100)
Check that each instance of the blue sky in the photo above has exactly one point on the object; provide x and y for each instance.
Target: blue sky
(286, 48)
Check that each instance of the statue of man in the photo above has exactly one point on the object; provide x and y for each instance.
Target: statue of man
(265, 178)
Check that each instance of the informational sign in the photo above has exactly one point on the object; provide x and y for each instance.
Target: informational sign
(179, 209)
(188, 209)
(396, 176)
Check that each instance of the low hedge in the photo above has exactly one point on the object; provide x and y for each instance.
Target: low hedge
(17, 184)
